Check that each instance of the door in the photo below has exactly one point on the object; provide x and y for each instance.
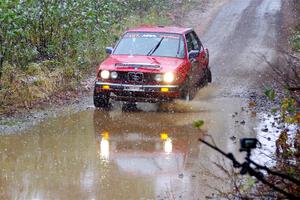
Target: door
(195, 73)
(202, 53)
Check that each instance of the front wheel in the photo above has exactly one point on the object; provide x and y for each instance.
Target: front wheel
(101, 100)
(187, 92)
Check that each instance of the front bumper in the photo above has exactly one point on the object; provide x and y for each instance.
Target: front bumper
(137, 92)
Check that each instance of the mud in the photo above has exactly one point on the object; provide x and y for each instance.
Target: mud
(152, 152)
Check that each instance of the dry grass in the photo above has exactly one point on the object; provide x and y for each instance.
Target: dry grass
(39, 81)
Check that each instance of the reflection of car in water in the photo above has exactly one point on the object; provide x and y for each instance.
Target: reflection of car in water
(146, 149)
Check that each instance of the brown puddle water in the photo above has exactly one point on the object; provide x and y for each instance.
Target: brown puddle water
(113, 154)
(95, 155)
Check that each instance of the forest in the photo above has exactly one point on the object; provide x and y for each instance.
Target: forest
(49, 45)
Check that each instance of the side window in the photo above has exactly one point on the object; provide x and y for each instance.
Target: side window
(189, 42)
(195, 42)
(199, 44)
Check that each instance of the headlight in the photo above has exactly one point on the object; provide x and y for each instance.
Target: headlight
(104, 74)
(114, 75)
(169, 77)
(158, 78)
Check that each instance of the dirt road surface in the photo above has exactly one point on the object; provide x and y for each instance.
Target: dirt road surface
(152, 153)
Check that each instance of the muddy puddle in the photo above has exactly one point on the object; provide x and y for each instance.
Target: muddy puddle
(149, 153)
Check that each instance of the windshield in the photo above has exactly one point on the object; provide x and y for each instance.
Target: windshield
(154, 44)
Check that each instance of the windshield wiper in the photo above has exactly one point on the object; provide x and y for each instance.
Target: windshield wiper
(155, 48)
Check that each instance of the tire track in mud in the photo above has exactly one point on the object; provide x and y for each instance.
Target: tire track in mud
(240, 35)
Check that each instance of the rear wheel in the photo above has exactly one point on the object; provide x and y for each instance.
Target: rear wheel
(101, 100)
(205, 79)
(208, 76)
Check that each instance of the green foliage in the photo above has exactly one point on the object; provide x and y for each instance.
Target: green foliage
(67, 31)
(295, 41)
(287, 109)
(270, 93)
(248, 185)
(198, 123)
(47, 46)
(33, 69)
(274, 110)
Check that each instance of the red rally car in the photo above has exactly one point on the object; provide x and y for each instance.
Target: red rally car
(152, 64)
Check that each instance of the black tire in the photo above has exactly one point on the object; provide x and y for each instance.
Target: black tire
(187, 93)
(129, 107)
(101, 100)
(208, 72)
(208, 75)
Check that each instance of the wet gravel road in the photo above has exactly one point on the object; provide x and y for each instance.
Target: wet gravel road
(152, 153)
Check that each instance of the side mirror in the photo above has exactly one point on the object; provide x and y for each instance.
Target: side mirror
(193, 54)
(109, 50)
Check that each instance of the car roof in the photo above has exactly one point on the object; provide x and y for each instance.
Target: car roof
(160, 29)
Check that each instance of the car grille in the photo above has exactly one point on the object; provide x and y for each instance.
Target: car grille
(136, 77)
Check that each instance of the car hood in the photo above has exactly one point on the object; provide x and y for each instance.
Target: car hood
(141, 63)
